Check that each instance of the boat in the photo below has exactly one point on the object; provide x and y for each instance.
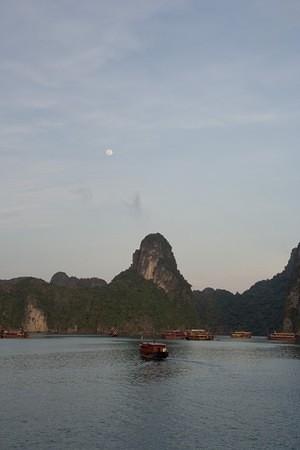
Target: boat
(13, 334)
(199, 335)
(173, 334)
(282, 336)
(113, 332)
(153, 350)
(241, 334)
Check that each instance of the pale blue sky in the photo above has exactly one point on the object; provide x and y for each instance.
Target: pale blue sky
(199, 101)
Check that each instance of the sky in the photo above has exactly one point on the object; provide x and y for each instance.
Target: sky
(198, 101)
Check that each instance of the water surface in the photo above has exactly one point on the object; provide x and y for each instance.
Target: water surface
(96, 393)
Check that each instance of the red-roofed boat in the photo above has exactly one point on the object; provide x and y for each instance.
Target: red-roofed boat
(282, 336)
(241, 334)
(13, 334)
(113, 332)
(153, 350)
(173, 334)
(199, 335)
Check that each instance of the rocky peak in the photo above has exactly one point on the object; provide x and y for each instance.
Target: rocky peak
(292, 310)
(292, 270)
(155, 261)
(62, 279)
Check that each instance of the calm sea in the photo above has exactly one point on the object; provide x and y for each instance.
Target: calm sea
(96, 393)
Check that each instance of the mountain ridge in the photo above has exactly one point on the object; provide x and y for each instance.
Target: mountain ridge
(72, 304)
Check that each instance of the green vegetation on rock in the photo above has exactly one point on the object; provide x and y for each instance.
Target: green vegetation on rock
(129, 303)
(149, 297)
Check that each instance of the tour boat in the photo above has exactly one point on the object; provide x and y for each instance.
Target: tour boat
(241, 334)
(282, 336)
(153, 350)
(199, 335)
(113, 332)
(12, 334)
(173, 334)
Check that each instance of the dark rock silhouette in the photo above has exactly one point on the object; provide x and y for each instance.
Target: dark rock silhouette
(292, 307)
(63, 280)
(155, 261)
(151, 295)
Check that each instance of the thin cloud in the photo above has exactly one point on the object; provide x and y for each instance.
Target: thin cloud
(135, 207)
(84, 194)
(6, 214)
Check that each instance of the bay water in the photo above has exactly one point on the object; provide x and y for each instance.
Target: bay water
(91, 392)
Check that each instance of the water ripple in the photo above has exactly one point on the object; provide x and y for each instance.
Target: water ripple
(97, 393)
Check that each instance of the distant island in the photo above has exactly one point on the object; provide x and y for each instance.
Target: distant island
(150, 296)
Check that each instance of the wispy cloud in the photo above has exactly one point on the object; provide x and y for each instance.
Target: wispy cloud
(29, 128)
(168, 85)
(135, 207)
(6, 214)
(85, 194)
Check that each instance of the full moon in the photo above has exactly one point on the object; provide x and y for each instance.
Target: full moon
(109, 152)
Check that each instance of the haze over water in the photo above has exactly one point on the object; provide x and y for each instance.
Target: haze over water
(96, 393)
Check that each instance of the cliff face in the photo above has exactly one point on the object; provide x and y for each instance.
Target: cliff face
(268, 305)
(63, 280)
(129, 303)
(292, 307)
(151, 295)
(20, 305)
(34, 319)
(155, 261)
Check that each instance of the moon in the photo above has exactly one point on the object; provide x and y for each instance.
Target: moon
(109, 152)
